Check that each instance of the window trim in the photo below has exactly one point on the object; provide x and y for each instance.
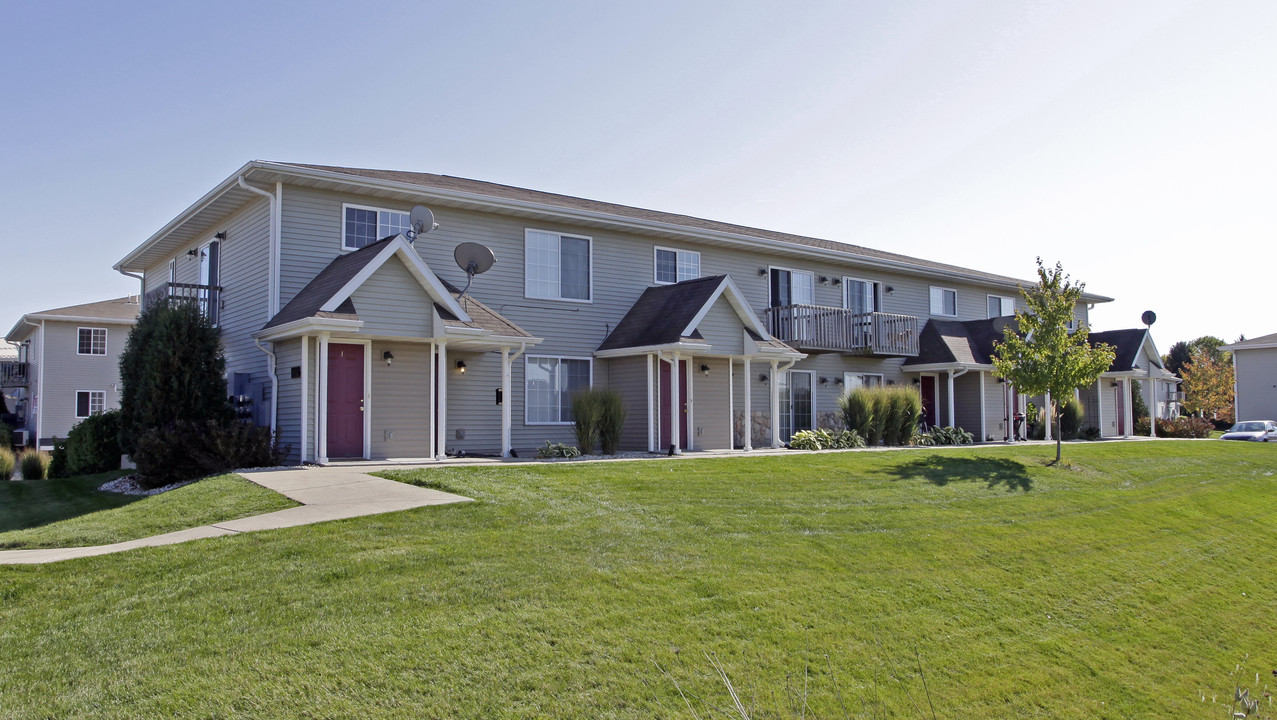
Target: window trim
(78, 416)
(527, 359)
(676, 251)
(561, 234)
(341, 222)
(931, 305)
(105, 342)
(791, 272)
(846, 386)
(988, 296)
(877, 289)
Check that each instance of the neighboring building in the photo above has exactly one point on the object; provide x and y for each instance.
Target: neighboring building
(354, 341)
(1255, 378)
(67, 365)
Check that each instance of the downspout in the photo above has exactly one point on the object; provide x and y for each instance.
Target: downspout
(141, 282)
(272, 288)
(274, 383)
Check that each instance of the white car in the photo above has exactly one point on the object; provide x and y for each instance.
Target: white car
(1253, 430)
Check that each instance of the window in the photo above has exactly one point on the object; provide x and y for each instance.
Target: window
(797, 409)
(851, 381)
(556, 266)
(92, 341)
(944, 301)
(860, 296)
(1000, 306)
(677, 265)
(549, 386)
(792, 287)
(366, 225)
(89, 402)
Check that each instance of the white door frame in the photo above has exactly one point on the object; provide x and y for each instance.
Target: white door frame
(367, 399)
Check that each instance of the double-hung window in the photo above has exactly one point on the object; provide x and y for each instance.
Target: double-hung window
(944, 301)
(91, 341)
(556, 266)
(1000, 306)
(851, 381)
(89, 402)
(550, 383)
(792, 287)
(363, 226)
(676, 265)
(860, 296)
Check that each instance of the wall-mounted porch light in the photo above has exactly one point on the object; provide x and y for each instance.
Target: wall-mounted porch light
(837, 281)
(917, 381)
(1114, 384)
(891, 290)
(824, 380)
(762, 378)
(387, 356)
(824, 280)
(461, 366)
(762, 271)
(221, 235)
(704, 369)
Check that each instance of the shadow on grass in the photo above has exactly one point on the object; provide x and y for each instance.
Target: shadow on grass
(942, 470)
(33, 503)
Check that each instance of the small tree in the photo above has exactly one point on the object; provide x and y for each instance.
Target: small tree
(1040, 356)
(1177, 357)
(1208, 385)
(171, 370)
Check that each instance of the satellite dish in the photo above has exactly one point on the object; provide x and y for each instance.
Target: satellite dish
(1149, 317)
(422, 221)
(475, 259)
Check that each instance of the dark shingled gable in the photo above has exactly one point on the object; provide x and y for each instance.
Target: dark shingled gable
(310, 301)
(952, 342)
(1126, 343)
(661, 313)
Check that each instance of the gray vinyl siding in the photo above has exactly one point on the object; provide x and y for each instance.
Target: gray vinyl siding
(628, 377)
(392, 302)
(1256, 373)
(288, 353)
(472, 404)
(966, 409)
(711, 424)
(400, 404)
(721, 328)
(35, 367)
(66, 373)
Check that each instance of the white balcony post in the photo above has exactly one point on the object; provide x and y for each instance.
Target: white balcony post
(748, 430)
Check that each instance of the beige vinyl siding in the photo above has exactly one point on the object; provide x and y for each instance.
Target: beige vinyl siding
(401, 400)
(472, 403)
(392, 302)
(1256, 377)
(66, 372)
(998, 413)
(711, 424)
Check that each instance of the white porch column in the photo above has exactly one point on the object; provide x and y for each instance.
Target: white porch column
(675, 409)
(505, 402)
(1050, 416)
(1130, 407)
(1152, 402)
(441, 443)
(952, 422)
(749, 415)
(1099, 404)
(690, 402)
(305, 399)
(321, 402)
(731, 404)
(983, 435)
(775, 390)
(430, 403)
(651, 405)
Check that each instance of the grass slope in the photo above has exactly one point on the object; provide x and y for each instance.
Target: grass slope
(72, 513)
(1128, 586)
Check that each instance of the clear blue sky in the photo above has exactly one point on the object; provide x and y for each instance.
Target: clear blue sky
(1134, 141)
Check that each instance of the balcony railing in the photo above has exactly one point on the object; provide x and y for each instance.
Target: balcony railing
(13, 374)
(1173, 396)
(208, 297)
(829, 329)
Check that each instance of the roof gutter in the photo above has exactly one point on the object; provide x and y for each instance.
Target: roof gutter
(141, 282)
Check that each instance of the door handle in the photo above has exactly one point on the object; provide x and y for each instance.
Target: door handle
(361, 406)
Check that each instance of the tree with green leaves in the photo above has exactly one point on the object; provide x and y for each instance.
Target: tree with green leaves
(171, 370)
(1208, 384)
(1177, 357)
(1039, 355)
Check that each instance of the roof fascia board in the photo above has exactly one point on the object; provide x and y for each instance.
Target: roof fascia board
(310, 324)
(645, 349)
(1243, 346)
(416, 267)
(82, 319)
(650, 225)
(931, 367)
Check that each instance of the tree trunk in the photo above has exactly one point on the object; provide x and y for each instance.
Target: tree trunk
(1057, 432)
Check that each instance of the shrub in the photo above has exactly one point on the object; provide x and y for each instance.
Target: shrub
(826, 440)
(906, 412)
(587, 409)
(93, 445)
(6, 436)
(857, 411)
(611, 421)
(1090, 432)
(187, 450)
(1181, 427)
(557, 450)
(7, 462)
(950, 436)
(1070, 418)
(34, 464)
(58, 467)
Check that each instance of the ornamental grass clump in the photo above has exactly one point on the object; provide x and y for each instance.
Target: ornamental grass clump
(7, 462)
(34, 464)
(884, 415)
(587, 410)
(611, 421)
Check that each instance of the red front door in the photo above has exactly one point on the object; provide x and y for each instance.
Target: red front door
(928, 387)
(345, 401)
(664, 418)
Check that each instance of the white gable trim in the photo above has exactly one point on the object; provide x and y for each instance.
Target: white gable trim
(416, 267)
(739, 304)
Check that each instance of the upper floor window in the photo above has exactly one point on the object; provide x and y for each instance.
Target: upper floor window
(556, 266)
(1000, 306)
(91, 341)
(851, 381)
(677, 265)
(944, 301)
(859, 296)
(366, 225)
(89, 402)
(792, 287)
(550, 384)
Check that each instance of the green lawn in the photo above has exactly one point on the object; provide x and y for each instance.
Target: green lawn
(72, 513)
(1129, 584)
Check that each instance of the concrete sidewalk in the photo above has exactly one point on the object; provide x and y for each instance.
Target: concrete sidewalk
(327, 493)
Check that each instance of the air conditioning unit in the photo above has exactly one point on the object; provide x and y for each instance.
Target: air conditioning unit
(19, 438)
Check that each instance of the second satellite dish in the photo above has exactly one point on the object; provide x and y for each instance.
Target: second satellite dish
(422, 221)
(474, 259)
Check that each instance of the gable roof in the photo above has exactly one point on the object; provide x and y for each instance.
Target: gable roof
(956, 342)
(1263, 341)
(1126, 346)
(481, 316)
(117, 311)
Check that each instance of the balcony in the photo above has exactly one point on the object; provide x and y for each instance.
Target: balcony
(208, 297)
(13, 374)
(817, 329)
(1173, 396)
